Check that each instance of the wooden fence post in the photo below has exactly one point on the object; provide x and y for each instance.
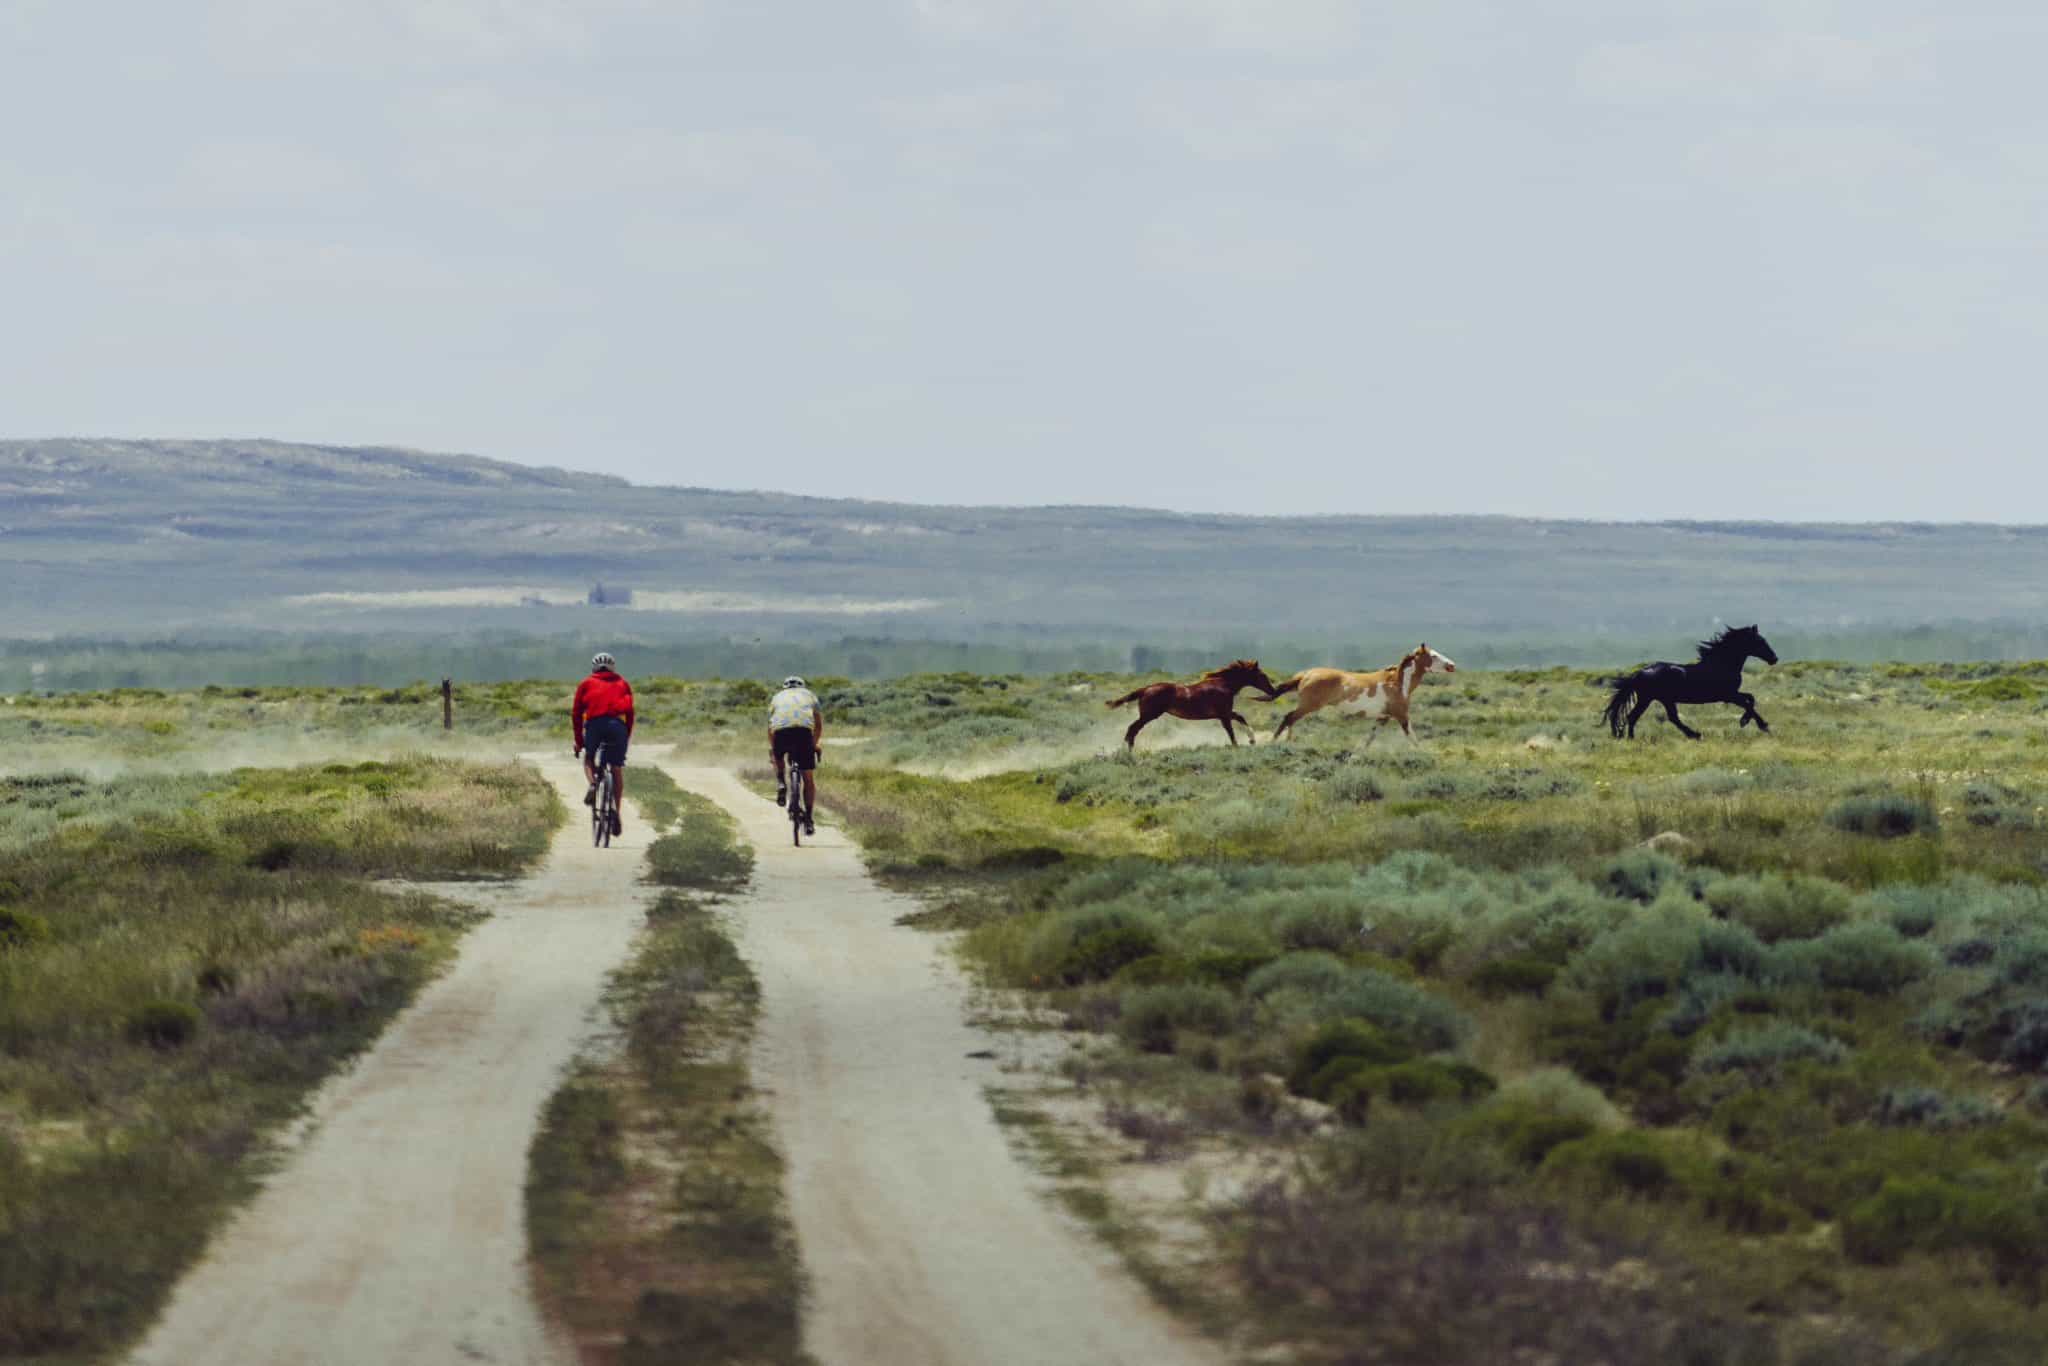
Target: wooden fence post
(447, 704)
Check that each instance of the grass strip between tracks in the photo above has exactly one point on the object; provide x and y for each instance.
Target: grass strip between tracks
(655, 1207)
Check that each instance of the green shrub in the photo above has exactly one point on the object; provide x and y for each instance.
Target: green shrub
(1090, 944)
(1777, 907)
(1524, 1132)
(1154, 969)
(1630, 1163)
(1317, 927)
(1557, 1091)
(1729, 948)
(1227, 967)
(20, 929)
(1644, 956)
(1313, 974)
(1425, 1020)
(1865, 956)
(1886, 815)
(1640, 875)
(163, 1024)
(1909, 908)
(1152, 1016)
(1355, 785)
(1926, 1108)
(1432, 1079)
(1354, 1043)
(1738, 1194)
(1103, 953)
(1514, 976)
(2003, 688)
(1768, 1049)
(1915, 1213)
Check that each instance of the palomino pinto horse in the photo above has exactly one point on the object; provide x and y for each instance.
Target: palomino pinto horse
(1715, 677)
(1381, 694)
(1212, 697)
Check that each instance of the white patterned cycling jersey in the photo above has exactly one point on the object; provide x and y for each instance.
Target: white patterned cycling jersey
(792, 709)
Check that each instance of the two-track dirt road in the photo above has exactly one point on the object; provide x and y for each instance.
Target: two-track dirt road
(394, 1232)
(924, 1239)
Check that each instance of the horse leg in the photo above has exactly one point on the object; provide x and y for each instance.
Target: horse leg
(1750, 713)
(1374, 733)
(1671, 710)
(1145, 718)
(1636, 714)
(1286, 723)
(1224, 721)
(1251, 737)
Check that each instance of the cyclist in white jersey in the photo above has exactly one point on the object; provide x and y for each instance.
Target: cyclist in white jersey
(796, 729)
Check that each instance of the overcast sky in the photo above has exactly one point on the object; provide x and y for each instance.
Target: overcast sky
(1611, 258)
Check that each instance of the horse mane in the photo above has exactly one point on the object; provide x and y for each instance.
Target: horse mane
(1722, 639)
(1232, 667)
(1410, 660)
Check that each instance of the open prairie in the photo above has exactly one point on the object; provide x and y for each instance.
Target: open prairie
(1516, 1043)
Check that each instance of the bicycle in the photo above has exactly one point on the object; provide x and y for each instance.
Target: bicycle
(796, 805)
(604, 812)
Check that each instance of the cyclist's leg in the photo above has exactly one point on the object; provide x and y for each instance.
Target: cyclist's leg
(615, 755)
(590, 774)
(809, 766)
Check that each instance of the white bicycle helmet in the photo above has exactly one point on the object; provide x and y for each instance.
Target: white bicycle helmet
(792, 682)
(603, 660)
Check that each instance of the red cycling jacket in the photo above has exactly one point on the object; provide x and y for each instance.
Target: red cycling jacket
(604, 693)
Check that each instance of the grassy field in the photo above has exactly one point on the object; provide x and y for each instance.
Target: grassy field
(1727, 1051)
(182, 958)
(654, 1197)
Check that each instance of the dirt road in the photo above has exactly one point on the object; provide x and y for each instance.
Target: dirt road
(395, 1232)
(923, 1237)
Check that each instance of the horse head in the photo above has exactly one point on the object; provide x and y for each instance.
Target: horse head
(1244, 673)
(1743, 642)
(1420, 661)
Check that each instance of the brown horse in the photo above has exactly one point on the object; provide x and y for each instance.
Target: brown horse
(1212, 697)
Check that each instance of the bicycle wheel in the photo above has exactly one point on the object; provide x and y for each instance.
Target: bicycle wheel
(601, 809)
(796, 807)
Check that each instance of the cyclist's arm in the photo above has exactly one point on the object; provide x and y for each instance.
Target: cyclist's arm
(576, 714)
(629, 709)
(818, 724)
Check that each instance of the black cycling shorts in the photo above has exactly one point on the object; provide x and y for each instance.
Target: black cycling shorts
(609, 732)
(798, 745)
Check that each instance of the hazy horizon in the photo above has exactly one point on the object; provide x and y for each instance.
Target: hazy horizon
(1770, 261)
(656, 483)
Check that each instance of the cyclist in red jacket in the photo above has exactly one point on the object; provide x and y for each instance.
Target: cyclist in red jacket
(602, 718)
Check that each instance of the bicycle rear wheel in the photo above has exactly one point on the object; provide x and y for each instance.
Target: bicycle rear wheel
(601, 809)
(796, 808)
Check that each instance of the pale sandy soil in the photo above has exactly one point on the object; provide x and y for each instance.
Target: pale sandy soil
(925, 1239)
(394, 1231)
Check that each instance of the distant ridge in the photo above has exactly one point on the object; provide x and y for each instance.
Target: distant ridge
(104, 536)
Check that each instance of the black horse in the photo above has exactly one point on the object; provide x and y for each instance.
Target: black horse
(1717, 677)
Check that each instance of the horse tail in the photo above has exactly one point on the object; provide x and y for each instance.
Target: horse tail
(1617, 705)
(1290, 685)
(1130, 696)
